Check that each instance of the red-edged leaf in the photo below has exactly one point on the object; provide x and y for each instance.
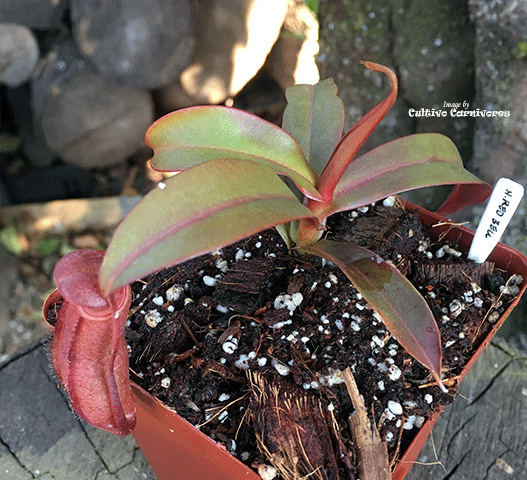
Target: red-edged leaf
(394, 298)
(195, 135)
(407, 163)
(464, 194)
(314, 116)
(199, 210)
(356, 136)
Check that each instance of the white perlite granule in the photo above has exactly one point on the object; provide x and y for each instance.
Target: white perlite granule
(395, 407)
(288, 301)
(175, 292)
(153, 318)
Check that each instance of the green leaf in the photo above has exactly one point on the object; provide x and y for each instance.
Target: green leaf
(48, 245)
(355, 137)
(407, 163)
(284, 230)
(314, 116)
(199, 210)
(312, 5)
(66, 248)
(195, 135)
(9, 239)
(401, 307)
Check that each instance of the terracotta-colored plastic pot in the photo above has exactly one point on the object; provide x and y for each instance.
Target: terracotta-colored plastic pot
(176, 450)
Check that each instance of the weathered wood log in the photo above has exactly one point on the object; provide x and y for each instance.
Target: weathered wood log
(40, 437)
(482, 434)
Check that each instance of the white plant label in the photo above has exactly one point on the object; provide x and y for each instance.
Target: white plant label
(501, 206)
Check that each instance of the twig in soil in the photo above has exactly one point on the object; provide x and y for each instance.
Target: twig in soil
(133, 310)
(382, 215)
(494, 304)
(155, 355)
(343, 452)
(223, 408)
(223, 371)
(386, 338)
(165, 281)
(398, 447)
(176, 358)
(447, 382)
(451, 226)
(381, 421)
(231, 331)
(189, 331)
(134, 372)
(372, 451)
(400, 203)
(240, 424)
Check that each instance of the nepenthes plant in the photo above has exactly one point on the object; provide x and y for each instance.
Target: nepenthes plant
(230, 184)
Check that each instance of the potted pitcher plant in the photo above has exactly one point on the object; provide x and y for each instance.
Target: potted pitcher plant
(229, 187)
